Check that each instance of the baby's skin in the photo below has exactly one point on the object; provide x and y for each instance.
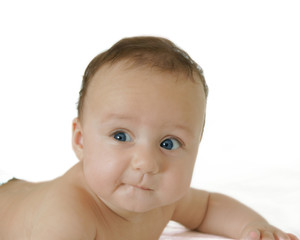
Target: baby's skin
(65, 208)
(137, 142)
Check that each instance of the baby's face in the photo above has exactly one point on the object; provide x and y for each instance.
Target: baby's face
(140, 133)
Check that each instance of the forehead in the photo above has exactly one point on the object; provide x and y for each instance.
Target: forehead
(135, 90)
(127, 72)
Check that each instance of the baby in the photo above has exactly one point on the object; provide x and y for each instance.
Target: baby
(141, 115)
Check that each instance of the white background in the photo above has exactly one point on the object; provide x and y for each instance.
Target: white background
(250, 53)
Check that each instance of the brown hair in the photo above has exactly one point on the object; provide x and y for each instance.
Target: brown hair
(150, 51)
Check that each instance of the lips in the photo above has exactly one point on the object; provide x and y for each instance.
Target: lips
(141, 187)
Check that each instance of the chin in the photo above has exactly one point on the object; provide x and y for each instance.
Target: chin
(140, 208)
(144, 206)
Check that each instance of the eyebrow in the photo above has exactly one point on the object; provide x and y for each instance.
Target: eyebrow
(185, 129)
(118, 116)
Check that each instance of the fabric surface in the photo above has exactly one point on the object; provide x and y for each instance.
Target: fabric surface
(177, 231)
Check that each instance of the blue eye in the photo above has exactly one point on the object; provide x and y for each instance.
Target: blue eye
(170, 144)
(122, 137)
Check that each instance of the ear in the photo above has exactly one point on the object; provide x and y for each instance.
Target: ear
(77, 139)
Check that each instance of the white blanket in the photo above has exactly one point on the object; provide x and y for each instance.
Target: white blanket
(177, 231)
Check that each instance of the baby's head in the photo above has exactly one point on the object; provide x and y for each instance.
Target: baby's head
(158, 53)
(140, 120)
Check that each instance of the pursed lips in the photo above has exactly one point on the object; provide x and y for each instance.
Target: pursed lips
(139, 187)
(143, 188)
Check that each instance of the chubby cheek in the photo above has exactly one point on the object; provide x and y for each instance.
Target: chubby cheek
(177, 181)
(103, 169)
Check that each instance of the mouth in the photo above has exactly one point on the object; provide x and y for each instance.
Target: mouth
(144, 188)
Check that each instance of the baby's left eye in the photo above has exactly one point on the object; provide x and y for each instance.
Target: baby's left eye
(170, 144)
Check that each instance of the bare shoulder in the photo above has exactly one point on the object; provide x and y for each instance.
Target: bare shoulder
(57, 209)
(64, 214)
(48, 210)
(191, 209)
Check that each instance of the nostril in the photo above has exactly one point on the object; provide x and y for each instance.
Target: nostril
(145, 165)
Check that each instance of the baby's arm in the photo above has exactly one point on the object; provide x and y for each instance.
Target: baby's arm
(221, 215)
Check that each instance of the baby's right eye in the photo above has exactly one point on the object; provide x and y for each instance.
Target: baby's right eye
(122, 137)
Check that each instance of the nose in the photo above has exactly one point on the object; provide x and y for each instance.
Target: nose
(145, 160)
